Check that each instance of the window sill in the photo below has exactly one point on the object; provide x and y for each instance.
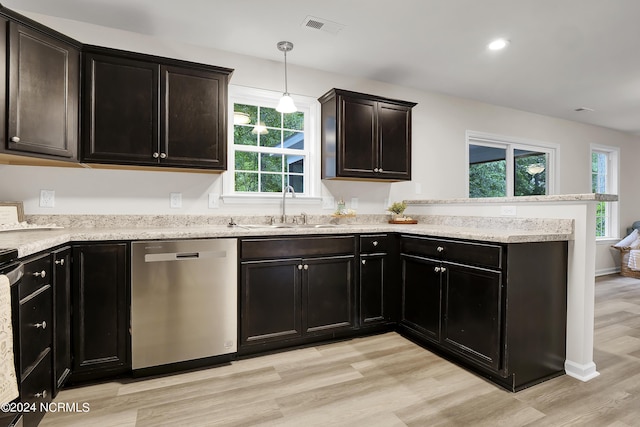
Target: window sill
(607, 240)
(268, 199)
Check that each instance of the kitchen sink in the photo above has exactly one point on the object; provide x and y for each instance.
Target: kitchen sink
(275, 226)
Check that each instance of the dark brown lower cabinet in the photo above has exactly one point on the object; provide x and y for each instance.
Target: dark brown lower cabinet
(499, 309)
(421, 296)
(286, 301)
(61, 266)
(100, 315)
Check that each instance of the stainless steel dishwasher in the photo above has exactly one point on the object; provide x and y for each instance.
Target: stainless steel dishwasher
(183, 300)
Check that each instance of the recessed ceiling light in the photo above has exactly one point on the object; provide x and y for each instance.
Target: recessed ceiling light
(498, 44)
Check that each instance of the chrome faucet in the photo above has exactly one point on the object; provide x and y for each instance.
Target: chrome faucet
(287, 189)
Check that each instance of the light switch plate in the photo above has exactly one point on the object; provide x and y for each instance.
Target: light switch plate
(176, 200)
(328, 202)
(214, 200)
(47, 198)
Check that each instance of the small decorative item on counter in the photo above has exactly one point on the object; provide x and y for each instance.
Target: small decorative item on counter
(397, 209)
(342, 207)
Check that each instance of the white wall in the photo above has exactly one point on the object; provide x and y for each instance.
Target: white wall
(439, 125)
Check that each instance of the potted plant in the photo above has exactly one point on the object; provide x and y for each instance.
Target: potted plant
(397, 209)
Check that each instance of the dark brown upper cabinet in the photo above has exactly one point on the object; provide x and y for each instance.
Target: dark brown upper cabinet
(42, 90)
(365, 137)
(152, 111)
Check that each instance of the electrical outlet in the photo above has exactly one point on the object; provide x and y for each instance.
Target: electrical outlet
(176, 200)
(354, 203)
(508, 210)
(47, 198)
(328, 202)
(214, 200)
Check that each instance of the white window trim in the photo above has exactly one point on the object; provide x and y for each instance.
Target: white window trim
(249, 95)
(499, 141)
(613, 182)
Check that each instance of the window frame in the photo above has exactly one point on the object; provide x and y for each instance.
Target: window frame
(267, 98)
(612, 180)
(510, 144)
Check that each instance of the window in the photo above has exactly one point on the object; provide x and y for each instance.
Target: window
(270, 150)
(604, 179)
(502, 167)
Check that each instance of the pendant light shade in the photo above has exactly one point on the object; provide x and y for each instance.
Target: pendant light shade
(286, 104)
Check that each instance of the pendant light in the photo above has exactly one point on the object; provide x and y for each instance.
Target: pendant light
(286, 104)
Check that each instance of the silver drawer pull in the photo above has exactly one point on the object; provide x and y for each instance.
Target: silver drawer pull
(437, 269)
(375, 169)
(42, 325)
(163, 155)
(364, 261)
(443, 269)
(15, 139)
(42, 394)
(40, 273)
(299, 266)
(440, 249)
(60, 261)
(156, 155)
(306, 267)
(375, 243)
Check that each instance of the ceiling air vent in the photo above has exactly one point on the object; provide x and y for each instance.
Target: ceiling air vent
(322, 24)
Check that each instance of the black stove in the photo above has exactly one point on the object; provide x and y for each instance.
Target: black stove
(7, 255)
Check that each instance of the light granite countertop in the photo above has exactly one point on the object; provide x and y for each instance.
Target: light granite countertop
(29, 242)
(588, 197)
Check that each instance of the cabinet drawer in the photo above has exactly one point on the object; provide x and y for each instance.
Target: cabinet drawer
(375, 243)
(297, 247)
(469, 253)
(37, 388)
(37, 273)
(35, 326)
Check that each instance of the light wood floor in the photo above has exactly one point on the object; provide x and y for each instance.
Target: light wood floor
(382, 380)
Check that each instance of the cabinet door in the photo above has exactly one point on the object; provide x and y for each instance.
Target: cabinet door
(120, 123)
(328, 293)
(101, 339)
(270, 301)
(394, 141)
(358, 136)
(473, 313)
(43, 94)
(373, 269)
(194, 105)
(421, 296)
(61, 261)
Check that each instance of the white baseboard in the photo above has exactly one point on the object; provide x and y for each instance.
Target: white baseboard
(582, 372)
(606, 271)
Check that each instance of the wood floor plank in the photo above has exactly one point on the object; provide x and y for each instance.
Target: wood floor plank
(383, 380)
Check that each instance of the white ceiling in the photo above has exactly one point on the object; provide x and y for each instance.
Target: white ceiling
(564, 54)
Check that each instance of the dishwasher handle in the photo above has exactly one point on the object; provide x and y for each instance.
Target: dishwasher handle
(183, 256)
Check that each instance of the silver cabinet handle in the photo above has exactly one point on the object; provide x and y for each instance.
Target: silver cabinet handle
(437, 269)
(364, 261)
(163, 155)
(40, 273)
(42, 394)
(299, 266)
(42, 325)
(440, 249)
(59, 261)
(306, 267)
(156, 155)
(380, 170)
(375, 243)
(375, 169)
(442, 269)
(15, 139)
